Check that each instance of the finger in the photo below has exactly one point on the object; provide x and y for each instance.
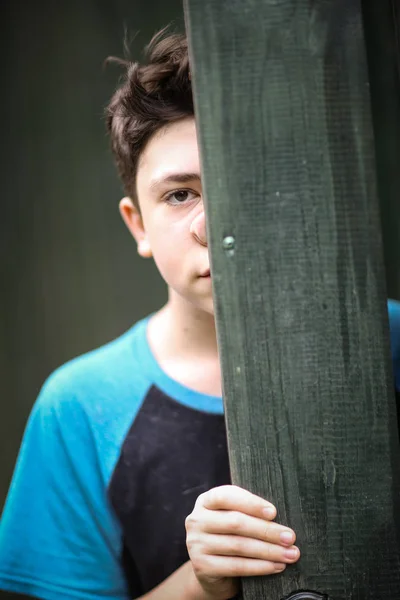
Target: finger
(233, 566)
(239, 524)
(233, 545)
(232, 497)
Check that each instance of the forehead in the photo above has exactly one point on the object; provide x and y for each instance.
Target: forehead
(172, 149)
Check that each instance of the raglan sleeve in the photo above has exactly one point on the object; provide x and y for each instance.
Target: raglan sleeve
(59, 539)
(394, 322)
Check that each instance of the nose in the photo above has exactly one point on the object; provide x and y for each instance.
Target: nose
(198, 228)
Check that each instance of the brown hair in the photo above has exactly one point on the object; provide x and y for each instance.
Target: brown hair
(152, 95)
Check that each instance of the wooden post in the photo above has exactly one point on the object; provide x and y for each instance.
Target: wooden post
(282, 100)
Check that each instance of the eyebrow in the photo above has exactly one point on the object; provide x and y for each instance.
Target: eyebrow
(174, 178)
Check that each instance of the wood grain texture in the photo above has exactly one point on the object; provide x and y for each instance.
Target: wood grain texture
(283, 108)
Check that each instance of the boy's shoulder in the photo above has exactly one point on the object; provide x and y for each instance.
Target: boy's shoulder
(101, 383)
(71, 446)
(394, 322)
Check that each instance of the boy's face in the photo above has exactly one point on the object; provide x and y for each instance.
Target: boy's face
(171, 227)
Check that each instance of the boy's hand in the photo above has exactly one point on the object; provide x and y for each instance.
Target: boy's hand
(231, 534)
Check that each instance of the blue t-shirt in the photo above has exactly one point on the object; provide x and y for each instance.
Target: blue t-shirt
(114, 455)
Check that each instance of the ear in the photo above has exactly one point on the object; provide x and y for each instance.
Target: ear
(134, 222)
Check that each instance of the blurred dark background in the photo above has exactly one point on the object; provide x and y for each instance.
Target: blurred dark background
(70, 276)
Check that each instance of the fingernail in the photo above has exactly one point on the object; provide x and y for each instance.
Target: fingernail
(279, 566)
(286, 537)
(291, 553)
(269, 512)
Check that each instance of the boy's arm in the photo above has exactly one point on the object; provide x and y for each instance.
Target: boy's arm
(231, 533)
(58, 538)
(181, 585)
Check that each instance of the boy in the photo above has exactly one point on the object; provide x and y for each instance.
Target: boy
(124, 441)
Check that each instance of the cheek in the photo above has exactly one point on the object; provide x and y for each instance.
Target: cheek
(170, 251)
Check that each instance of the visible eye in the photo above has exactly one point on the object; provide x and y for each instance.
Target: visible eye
(180, 197)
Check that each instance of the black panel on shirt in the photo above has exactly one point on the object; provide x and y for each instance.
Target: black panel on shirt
(171, 455)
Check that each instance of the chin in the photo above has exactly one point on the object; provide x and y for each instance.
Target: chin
(204, 304)
(208, 306)
(187, 299)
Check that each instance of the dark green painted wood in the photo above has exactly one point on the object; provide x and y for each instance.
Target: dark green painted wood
(283, 106)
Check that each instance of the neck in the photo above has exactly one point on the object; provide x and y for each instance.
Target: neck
(183, 340)
(189, 330)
